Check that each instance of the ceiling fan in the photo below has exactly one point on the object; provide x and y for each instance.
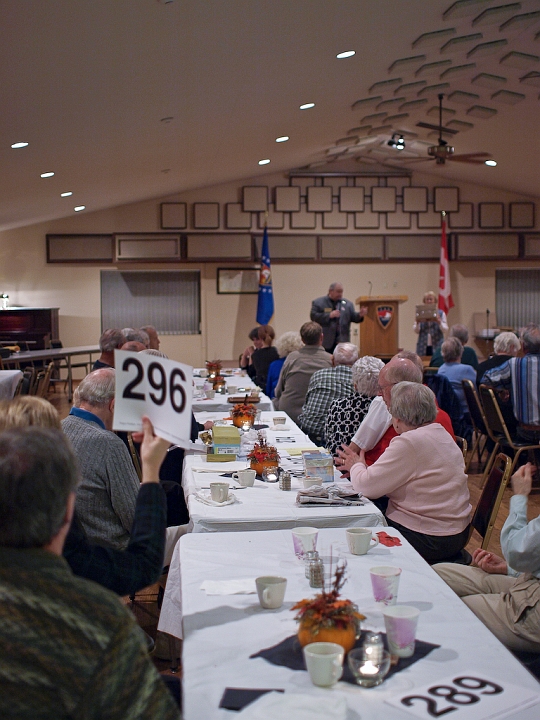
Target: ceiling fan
(443, 151)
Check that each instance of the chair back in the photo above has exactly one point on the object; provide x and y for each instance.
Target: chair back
(134, 456)
(495, 424)
(489, 502)
(476, 410)
(28, 378)
(462, 445)
(447, 399)
(44, 380)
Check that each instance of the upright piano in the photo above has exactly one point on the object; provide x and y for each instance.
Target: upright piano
(35, 327)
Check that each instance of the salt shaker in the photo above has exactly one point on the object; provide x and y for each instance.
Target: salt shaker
(309, 556)
(316, 573)
(285, 480)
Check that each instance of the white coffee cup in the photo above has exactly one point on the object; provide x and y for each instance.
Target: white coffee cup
(401, 622)
(279, 420)
(360, 540)
(311, 481)
(324, 662)
(271, 591)
(246, 477)
(304, 539)
(219, 491)
(210, 394)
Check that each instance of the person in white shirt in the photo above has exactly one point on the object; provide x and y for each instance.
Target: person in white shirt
(504, 593)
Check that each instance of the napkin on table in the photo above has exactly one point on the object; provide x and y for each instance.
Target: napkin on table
(295, 705)
(236, 586)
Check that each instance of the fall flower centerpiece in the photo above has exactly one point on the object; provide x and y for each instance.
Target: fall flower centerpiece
(213, 367)
(263, 456)
(328, 618)
(243, 413)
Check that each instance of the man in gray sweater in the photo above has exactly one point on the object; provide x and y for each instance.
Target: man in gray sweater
(108, 492)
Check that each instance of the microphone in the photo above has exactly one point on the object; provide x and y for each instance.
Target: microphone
(370, 287)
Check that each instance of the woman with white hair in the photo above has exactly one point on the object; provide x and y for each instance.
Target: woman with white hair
(285, 344)
(422, 473)
(505, 346)
(346, 414)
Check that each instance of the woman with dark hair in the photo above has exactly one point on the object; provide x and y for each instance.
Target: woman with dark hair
(263, 356)
(245, 360)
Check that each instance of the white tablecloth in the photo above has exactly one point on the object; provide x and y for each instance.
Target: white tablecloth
(219, 403)
(221, 632)
(264, 506)
(9, 379)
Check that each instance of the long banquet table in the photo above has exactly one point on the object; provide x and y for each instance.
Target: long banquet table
(9, 379)
(221, 632)
(66, 353)
(220, 403)
(264, 506)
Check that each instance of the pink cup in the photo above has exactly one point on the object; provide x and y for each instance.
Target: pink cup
(304, 539)
(401, 622)
(385, 583)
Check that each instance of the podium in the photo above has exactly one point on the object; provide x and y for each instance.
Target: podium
(380, 330)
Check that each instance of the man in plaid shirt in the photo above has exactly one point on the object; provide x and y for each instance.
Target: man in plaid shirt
(519, 380)
(325, 386)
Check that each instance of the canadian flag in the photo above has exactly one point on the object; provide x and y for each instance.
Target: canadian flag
(445, 294)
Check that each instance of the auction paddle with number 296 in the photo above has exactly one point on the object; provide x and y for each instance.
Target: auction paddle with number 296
(156, 387)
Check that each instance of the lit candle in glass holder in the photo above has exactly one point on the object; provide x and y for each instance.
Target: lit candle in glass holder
(246, 425)
(370, 663)
(271, 474)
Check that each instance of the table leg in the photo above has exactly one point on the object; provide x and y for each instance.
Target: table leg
(69, 378)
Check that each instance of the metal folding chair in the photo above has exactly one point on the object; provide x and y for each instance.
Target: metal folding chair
(488, 505)
(497, 430)
(478, 420)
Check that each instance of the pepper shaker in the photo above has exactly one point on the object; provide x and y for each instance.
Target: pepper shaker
(316, 573)
(285, 480)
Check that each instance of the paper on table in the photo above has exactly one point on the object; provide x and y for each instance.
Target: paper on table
(233, 466)
(237, 586)
(299, 450)
(297, 706)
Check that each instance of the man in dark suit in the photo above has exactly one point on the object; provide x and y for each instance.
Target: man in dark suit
(335, 315)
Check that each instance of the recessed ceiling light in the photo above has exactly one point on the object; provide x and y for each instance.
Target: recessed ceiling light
(346, 54)
(47, 174)
(79, 208)
(18, 145)
(307, 106)
(264, 162)
(283, 138)
(66, 194)
(491, 163)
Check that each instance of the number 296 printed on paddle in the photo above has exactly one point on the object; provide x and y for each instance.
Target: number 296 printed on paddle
(156, 387)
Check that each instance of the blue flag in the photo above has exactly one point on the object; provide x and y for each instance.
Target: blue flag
(265, 302)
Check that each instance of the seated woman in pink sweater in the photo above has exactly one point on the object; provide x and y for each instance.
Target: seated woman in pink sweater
(422, 473)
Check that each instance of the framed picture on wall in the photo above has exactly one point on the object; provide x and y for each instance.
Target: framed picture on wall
(237, 281)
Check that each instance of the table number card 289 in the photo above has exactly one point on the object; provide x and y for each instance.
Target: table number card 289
(467, 696)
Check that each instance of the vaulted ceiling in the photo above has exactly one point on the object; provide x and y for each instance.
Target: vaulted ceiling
(135, 99)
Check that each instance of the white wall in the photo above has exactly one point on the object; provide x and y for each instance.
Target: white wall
(227, 319)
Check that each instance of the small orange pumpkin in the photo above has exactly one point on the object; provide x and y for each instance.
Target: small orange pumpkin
(346, 637)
